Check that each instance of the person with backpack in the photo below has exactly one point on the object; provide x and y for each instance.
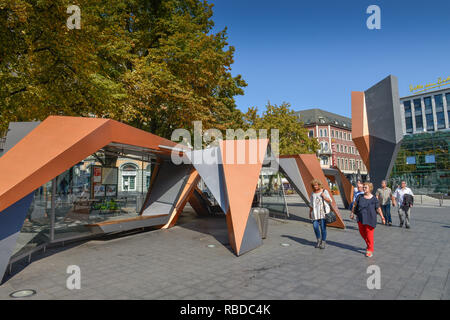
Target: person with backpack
(366, 207)
(320, 205)
(405, 201)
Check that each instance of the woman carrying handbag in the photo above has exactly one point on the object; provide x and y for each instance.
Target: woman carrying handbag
(320, 207)
(366, 208)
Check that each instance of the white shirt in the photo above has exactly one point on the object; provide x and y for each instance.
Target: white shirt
(317, 202)
(399, 193)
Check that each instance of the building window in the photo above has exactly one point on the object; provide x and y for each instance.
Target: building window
(332, 133)
(418, 114)
(311, 133)
(147, 176)
(324, 161)
(447, 97)
(345, 149)
(340, 134)
(129, 173)
(408, 116)
(320, 133)
(438, 100)
(429, 113)
(325, 131)
(350, 136)
(346, 164)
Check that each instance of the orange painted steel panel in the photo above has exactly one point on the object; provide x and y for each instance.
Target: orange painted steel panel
(310, 169)
(186, 194)
(57, 144)
(360, 126)
(347, 186)
(241, 180)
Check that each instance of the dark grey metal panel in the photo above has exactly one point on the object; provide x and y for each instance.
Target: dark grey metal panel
(385, 127)
(16, 132)
(252, 237)
(288, 166)
(166, 189)
(383, 110)
(208, 163)
(11, 222)
(382, 160)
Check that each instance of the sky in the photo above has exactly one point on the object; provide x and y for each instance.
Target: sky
(312, 54)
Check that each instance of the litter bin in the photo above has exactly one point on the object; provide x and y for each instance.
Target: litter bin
(261, 216)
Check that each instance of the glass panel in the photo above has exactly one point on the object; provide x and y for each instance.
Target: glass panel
(428, 105)
(271, 192)
(428, 155)
(36, 228)
(430, 122)
(417, 107)
(419, 122)
(411, 160)
(439, 102)
(407, 106)
(440, 119)
(447, 97)
(409, 125)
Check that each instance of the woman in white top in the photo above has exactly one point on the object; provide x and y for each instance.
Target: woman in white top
(320, 205)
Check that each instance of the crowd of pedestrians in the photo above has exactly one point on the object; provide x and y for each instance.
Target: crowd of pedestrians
(364, 208)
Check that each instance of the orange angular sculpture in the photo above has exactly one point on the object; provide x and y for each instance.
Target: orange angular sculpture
(309, 168)
(360, 126)
(241, 179)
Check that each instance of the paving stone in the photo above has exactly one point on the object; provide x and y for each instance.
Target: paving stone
(176, 264)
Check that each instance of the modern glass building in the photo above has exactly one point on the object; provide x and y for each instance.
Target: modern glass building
(424, 163)
(423, 160)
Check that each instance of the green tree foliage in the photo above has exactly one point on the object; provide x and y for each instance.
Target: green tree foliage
(292, 133)
(154, 64)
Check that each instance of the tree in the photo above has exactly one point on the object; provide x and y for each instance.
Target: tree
(153, 64)
(292, 133)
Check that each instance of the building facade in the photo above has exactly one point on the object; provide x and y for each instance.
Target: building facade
(426, 112)
(334, 134)
(423, 160)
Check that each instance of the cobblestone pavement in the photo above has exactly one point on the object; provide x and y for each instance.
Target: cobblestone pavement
(178, 264)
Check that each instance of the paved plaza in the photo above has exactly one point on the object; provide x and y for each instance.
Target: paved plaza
(180, 263)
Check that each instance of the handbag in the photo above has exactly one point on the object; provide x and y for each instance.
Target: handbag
(330, 217)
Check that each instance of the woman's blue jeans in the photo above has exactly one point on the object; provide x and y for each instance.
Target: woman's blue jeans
(320, 226)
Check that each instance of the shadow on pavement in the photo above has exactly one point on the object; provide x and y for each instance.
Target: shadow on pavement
(331, 243)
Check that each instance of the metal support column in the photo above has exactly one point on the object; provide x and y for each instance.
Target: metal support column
(52, 211)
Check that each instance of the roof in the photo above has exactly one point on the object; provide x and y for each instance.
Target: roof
(319, 116)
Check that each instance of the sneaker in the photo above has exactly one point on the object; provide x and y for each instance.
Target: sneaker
(401, 225)
(390, 223)
(322, 245)
(407, 227)
(318, 243)
(369, 254)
